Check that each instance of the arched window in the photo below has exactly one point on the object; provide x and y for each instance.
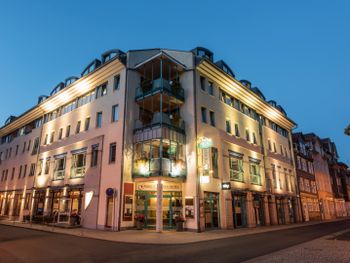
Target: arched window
(58, 87)
(108, 55)
(70, 80)
(91, 67)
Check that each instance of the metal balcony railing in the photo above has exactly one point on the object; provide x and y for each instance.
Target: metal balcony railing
(162, 119)
(77, 172)
(58, 175)
(150, 87)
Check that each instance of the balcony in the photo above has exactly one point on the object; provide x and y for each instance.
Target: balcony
(58, 175)
(77, 172)
(161, 119)
(152, 87)
(144, 167)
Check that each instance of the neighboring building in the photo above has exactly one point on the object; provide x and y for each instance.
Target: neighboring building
(322, 176)
(306, 178)
(156, 132)
(337, 172)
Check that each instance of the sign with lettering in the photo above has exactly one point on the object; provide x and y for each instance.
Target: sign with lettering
(152, 186)
(226, 186)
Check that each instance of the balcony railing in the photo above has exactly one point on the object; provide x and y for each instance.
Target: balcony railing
(149, 87)
(159, 167)
(77, 172)
(58, 175)
(162, 119)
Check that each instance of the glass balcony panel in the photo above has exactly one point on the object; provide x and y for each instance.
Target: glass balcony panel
(77, 172)
(149, 87)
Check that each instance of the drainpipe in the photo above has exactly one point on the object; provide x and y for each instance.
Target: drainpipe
(123, 148)
(196, 140)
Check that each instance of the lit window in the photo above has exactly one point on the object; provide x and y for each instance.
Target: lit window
(236, 169)
(255, 177)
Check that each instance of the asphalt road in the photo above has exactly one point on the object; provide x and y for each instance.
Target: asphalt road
(24, 245)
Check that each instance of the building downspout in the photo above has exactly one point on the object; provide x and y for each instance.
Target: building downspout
(123, 147)
(196, 134)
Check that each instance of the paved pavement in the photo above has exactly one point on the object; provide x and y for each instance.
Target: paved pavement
(166, 237)
(331, 248)
(26, 245)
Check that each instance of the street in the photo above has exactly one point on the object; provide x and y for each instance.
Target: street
(24, 245)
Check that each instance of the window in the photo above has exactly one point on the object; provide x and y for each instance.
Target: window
(112, 152)
(20, 172)
(301, 184)
(247, 135)
(204, 114)
(274, 177)
(236, 169)
(32, 169)
(269, 145)
(17, 146)
(78, 165)
(24, 171)
(40, 167)
(47, 166)
(286, 178)
(274, 147)
(24, 147)
(67, 131)
(29, 144)
(202, 80)
(94, 155)
(228, 126)
(211, 89)
(10, 152)
(98, 119)
(77, 129)
(13, 173)
(101, 90)
(254, 138)
(281, 149)
(60, 166)
(212, 118)
(87, 124)
(52, 137)
(255, 177)
(116, 82)
(237, 130)
(60, 134)
(214, 162)
(115, 113)
(46, 138)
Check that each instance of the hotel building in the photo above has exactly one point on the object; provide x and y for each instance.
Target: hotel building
(159, 133)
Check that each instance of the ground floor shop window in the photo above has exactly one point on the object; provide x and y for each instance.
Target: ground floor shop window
(39, 200)
(109, 211)
(211, 210)
(17, 204)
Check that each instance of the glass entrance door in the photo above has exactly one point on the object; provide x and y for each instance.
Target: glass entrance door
(239, 211)
(146, 204)
(211, 210)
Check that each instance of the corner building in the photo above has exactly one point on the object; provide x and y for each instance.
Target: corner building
(156, 132)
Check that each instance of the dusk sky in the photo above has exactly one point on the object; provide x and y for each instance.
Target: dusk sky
(296, 52)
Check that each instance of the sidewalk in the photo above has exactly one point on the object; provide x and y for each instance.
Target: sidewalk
(330, 248)
(166, 237)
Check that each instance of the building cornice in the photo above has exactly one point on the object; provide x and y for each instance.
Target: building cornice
(245, 95)
(76, 89)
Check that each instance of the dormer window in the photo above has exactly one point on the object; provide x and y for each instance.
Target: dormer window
(70, 80)
(107, 56)
(91, 67)
(203, 52)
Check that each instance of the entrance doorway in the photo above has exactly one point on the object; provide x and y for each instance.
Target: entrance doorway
(146, 204)
(258, 210)
(211, 210)
(239, 210)
(280, 211)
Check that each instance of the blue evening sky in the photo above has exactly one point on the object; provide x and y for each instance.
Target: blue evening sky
(296, 52)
